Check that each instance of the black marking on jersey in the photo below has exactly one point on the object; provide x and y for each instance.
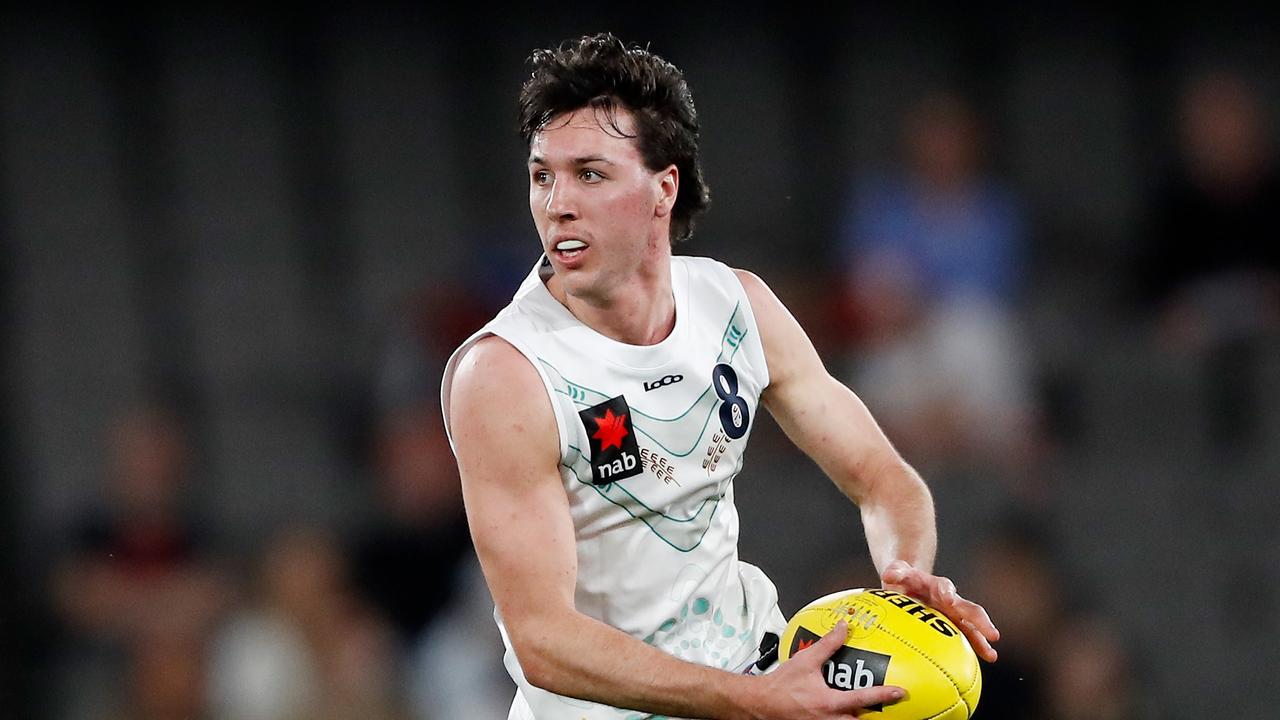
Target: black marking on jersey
(615, 454)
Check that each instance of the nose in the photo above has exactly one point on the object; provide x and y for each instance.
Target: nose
(561, 204)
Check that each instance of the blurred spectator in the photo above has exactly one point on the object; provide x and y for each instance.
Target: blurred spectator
(1211, 263)
(166, 679)
(139, 577)
(934, 256)
(1091, 674)
(306, 647)
(407, 563)
(414, 565)
(1015, 579)
(433, 322)
(415, 562)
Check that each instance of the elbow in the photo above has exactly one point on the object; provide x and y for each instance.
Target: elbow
(537, 661)
(535, 665)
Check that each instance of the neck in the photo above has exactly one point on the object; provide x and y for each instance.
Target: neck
(641, 311)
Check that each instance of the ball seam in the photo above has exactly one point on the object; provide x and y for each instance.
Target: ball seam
(953, 706)
(959, 693)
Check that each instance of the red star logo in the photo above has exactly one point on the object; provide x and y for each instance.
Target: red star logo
(802, 644)
(610, 430)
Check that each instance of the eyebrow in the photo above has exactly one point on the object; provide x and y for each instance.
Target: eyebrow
(538, 160)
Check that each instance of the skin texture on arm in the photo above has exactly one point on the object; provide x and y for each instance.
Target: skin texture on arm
(832, 426)
(506, 441)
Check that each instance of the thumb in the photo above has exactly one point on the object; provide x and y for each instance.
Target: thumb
(895, 572)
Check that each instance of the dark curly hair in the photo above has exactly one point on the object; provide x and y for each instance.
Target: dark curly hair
(601, 72)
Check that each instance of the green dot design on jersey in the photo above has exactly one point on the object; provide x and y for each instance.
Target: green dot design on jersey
(703, 634)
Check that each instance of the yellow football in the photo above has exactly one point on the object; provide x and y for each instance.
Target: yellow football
(893, 640)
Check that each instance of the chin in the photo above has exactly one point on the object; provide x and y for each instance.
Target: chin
(581, 285)
(575, 284)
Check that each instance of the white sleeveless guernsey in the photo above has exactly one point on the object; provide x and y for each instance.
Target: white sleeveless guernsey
(651, 438)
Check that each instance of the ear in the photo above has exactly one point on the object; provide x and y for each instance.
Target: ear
(668, 185)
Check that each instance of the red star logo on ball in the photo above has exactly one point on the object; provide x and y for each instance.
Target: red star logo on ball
(610, 430)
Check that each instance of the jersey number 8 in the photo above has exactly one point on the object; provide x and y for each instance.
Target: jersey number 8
(734, 414)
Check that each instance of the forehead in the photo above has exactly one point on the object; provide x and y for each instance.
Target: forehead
(586, 131)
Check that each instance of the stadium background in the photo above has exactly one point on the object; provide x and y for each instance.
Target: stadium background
(271, 224)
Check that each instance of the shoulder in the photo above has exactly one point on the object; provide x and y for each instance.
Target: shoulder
(702, 271)
(771, 315)
(490, 364)
(764, 303)
(497, 393)
(787, 347)
(751, 282)
(492, 371)
(703, 266)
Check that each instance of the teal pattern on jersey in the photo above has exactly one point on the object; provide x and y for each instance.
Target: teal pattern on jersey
(681, 533)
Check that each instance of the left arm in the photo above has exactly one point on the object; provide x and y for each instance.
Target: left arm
(830, 424)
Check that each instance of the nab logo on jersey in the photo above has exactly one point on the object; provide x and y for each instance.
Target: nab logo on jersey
(615, 454)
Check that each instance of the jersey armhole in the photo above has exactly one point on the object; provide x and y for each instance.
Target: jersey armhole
(750, 312)
(446, 386)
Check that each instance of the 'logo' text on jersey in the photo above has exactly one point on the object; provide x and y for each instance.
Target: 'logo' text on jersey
(663, 381)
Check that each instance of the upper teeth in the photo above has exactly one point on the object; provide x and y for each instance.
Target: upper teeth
(570, 245)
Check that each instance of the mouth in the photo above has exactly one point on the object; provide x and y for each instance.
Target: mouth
(569, 248)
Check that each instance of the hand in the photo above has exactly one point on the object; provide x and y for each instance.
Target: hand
(940, 593)
(796, 690)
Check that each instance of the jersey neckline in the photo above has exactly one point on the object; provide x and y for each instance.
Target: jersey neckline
(638, 357)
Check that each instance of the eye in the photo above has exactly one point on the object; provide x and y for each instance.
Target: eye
(591, 176)
(540, 177)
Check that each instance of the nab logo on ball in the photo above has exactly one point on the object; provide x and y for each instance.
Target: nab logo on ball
(849, 668)
(615, 454)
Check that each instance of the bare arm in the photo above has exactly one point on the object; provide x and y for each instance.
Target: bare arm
(505, 436)
(831, 425)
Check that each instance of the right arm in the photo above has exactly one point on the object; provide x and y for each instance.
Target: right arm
(504, 433)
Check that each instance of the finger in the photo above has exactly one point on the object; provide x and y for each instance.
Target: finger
(908, 580)
(866, 697)
(827, 646)
(976, 625)
(940, 593)
(978, 641)
(977, 616)
(944, 592)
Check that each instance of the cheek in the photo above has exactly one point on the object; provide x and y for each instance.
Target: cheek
(538, 208)
(633, 205)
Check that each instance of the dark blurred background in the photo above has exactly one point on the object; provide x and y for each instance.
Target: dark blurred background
(236, 246)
